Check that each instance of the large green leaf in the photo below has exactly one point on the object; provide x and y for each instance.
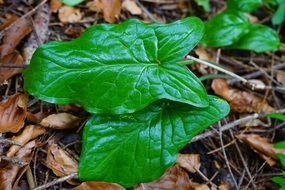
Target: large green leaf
(119, 68)
(260, 38)
(244, 5)
(139, 147)
(225, 29)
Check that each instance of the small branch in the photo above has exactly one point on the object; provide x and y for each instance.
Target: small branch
(7, 141)
(59, 180)
(13, 160)
(13, 65)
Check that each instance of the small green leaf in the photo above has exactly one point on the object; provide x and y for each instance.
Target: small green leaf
(279, 180)
(72, 2)
(276, 116)
(282, 159)
(139, 147)
(119, 68)
(244, 5)
(225, 29)
(205, 4)
(260, 38)
(279, 15)
(280, 144)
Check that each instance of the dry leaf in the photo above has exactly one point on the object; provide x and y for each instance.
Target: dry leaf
(11, 173)
(30, 132)
(60, 121)
(173, 178)
(10, 18)
(197, 186)
(13, 113)
(132, 7)
(55, 5)
(204, 55)
(240, 101)
(191, 162)
(36, 117)
(1, 1)
(98, 186)
(262, 146)
(281, 77)
(14, 35)
(12, 58)
(224, 186)
(40, 24)
(68, 14)
(111, 9)
(60, 161)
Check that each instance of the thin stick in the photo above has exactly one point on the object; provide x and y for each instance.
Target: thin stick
(13, 65)
(13, 160)
(7, 141)
(59, 180)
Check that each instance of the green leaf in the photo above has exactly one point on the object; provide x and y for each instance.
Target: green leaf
(139, 147)
(72, 2)
(279, 180)
(225, 29)
(279, 15)
(205, 4)
(119, 68)
(280, 144)
(282, 159)
(276, 116)
(244, 5)
(260, 38)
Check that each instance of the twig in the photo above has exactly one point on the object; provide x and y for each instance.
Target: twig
(13, 160)
(226, 158)
(13, 65)
(148, 14)
(234, 123)
(59, 180)
(7, 141)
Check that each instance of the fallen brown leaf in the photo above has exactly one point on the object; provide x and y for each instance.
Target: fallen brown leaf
(197, 186)
(12, 58)
(173, 178)
(10, 18)
(204, 55)
(10, 173)
(60, 121)
(111, 9)
(240, 101)
(13, 113)
(98, 186)
(60, 161)
(14, 35)
(191, 162)
(68, 14)
(262, 146)
(55, 5)
(36, 117)
(132, 7)
(281, 77)
(30, 132)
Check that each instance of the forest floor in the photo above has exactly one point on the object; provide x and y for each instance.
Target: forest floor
(236, 153)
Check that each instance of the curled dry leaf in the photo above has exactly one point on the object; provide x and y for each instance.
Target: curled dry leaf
(173, 178)
(98, 186)
(111, 9)
(60, 161)
(68, 14)
(60, 121)
(191, 162)
(36, 117)
(240, 101)
(30, 132)
(10, 173)
(262, 146)
(132, 7)
(13, 113)
(197, 186)
(12, 58)
(13, 36)
(55, 5)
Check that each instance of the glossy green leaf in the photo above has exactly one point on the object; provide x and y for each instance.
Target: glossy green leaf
(279, 15)
(225, 29)
(72, 2)
(279, 180)
(260, 38)
(244, 5)
(139, 147)
(280, 145)
(205, 4)
(119, 68)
